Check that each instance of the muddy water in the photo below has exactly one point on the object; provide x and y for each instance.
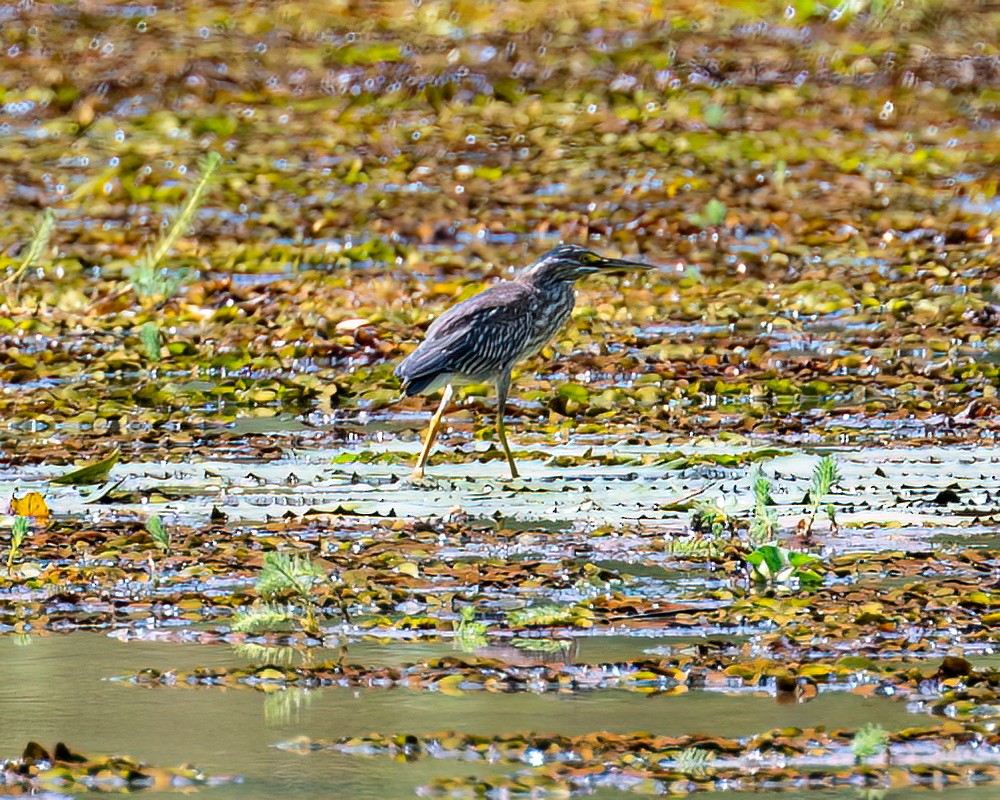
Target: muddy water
(55, 688)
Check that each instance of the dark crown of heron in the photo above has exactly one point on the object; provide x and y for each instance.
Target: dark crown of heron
(563, 264)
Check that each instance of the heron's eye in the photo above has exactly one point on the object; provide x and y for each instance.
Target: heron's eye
(589, 258)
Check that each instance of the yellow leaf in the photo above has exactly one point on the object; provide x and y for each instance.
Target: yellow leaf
(31, 505)
(815, 670)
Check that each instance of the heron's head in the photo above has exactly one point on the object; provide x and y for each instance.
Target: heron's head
(569, 262)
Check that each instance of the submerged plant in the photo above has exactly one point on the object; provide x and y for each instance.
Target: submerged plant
(281, 708)
(18, 533)
(547, 646)
(148, 280)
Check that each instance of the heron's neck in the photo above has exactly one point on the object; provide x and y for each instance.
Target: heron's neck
(550, 291)
(547, 280)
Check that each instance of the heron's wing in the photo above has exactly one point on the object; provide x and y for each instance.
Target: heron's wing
(474, 339)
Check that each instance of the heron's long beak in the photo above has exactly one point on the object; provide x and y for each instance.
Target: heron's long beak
(616, 266)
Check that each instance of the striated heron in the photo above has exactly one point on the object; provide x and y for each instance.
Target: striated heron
(481, 339)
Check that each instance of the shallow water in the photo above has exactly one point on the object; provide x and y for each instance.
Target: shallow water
(56, 689)
(385, 160)
(879, 485)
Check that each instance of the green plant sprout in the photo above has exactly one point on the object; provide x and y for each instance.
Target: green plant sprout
(780, 174)
(278, 655)
(39, 244)
(18, 533)
(149, 338)
(692, 761)
(469, 634)
(714, 115)
(263, 617)
(160, 535)
(713, 215)
(697, 546)
(284, 574)
(148, 280)
(825, 475)
(869, 741)
(764, 524)
(710, 519)
(773, 565)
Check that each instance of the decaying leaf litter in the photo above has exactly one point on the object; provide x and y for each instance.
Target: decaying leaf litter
(819, 187)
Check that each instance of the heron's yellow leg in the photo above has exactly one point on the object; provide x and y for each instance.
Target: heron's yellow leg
(503, 385)
(432, 432)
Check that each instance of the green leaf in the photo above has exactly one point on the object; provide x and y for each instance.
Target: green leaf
(824, 475)
(375, 53)
(769, 557)
(573, 391)
(94, 472)
(715, 212)
(774, 564)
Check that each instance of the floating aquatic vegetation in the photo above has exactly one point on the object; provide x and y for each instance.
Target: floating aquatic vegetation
(818, 183)
(64, 771)
(648, 764)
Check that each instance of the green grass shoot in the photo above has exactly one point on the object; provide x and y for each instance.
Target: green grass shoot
(547, 614)
(39, 244)
(825, 474)
(713, 215)
(692, 760)
(264, 617)
(148, 280)
(18, 533)
(149, 337)
(764, 523)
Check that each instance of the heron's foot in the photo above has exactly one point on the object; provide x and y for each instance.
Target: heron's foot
(419, 479)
